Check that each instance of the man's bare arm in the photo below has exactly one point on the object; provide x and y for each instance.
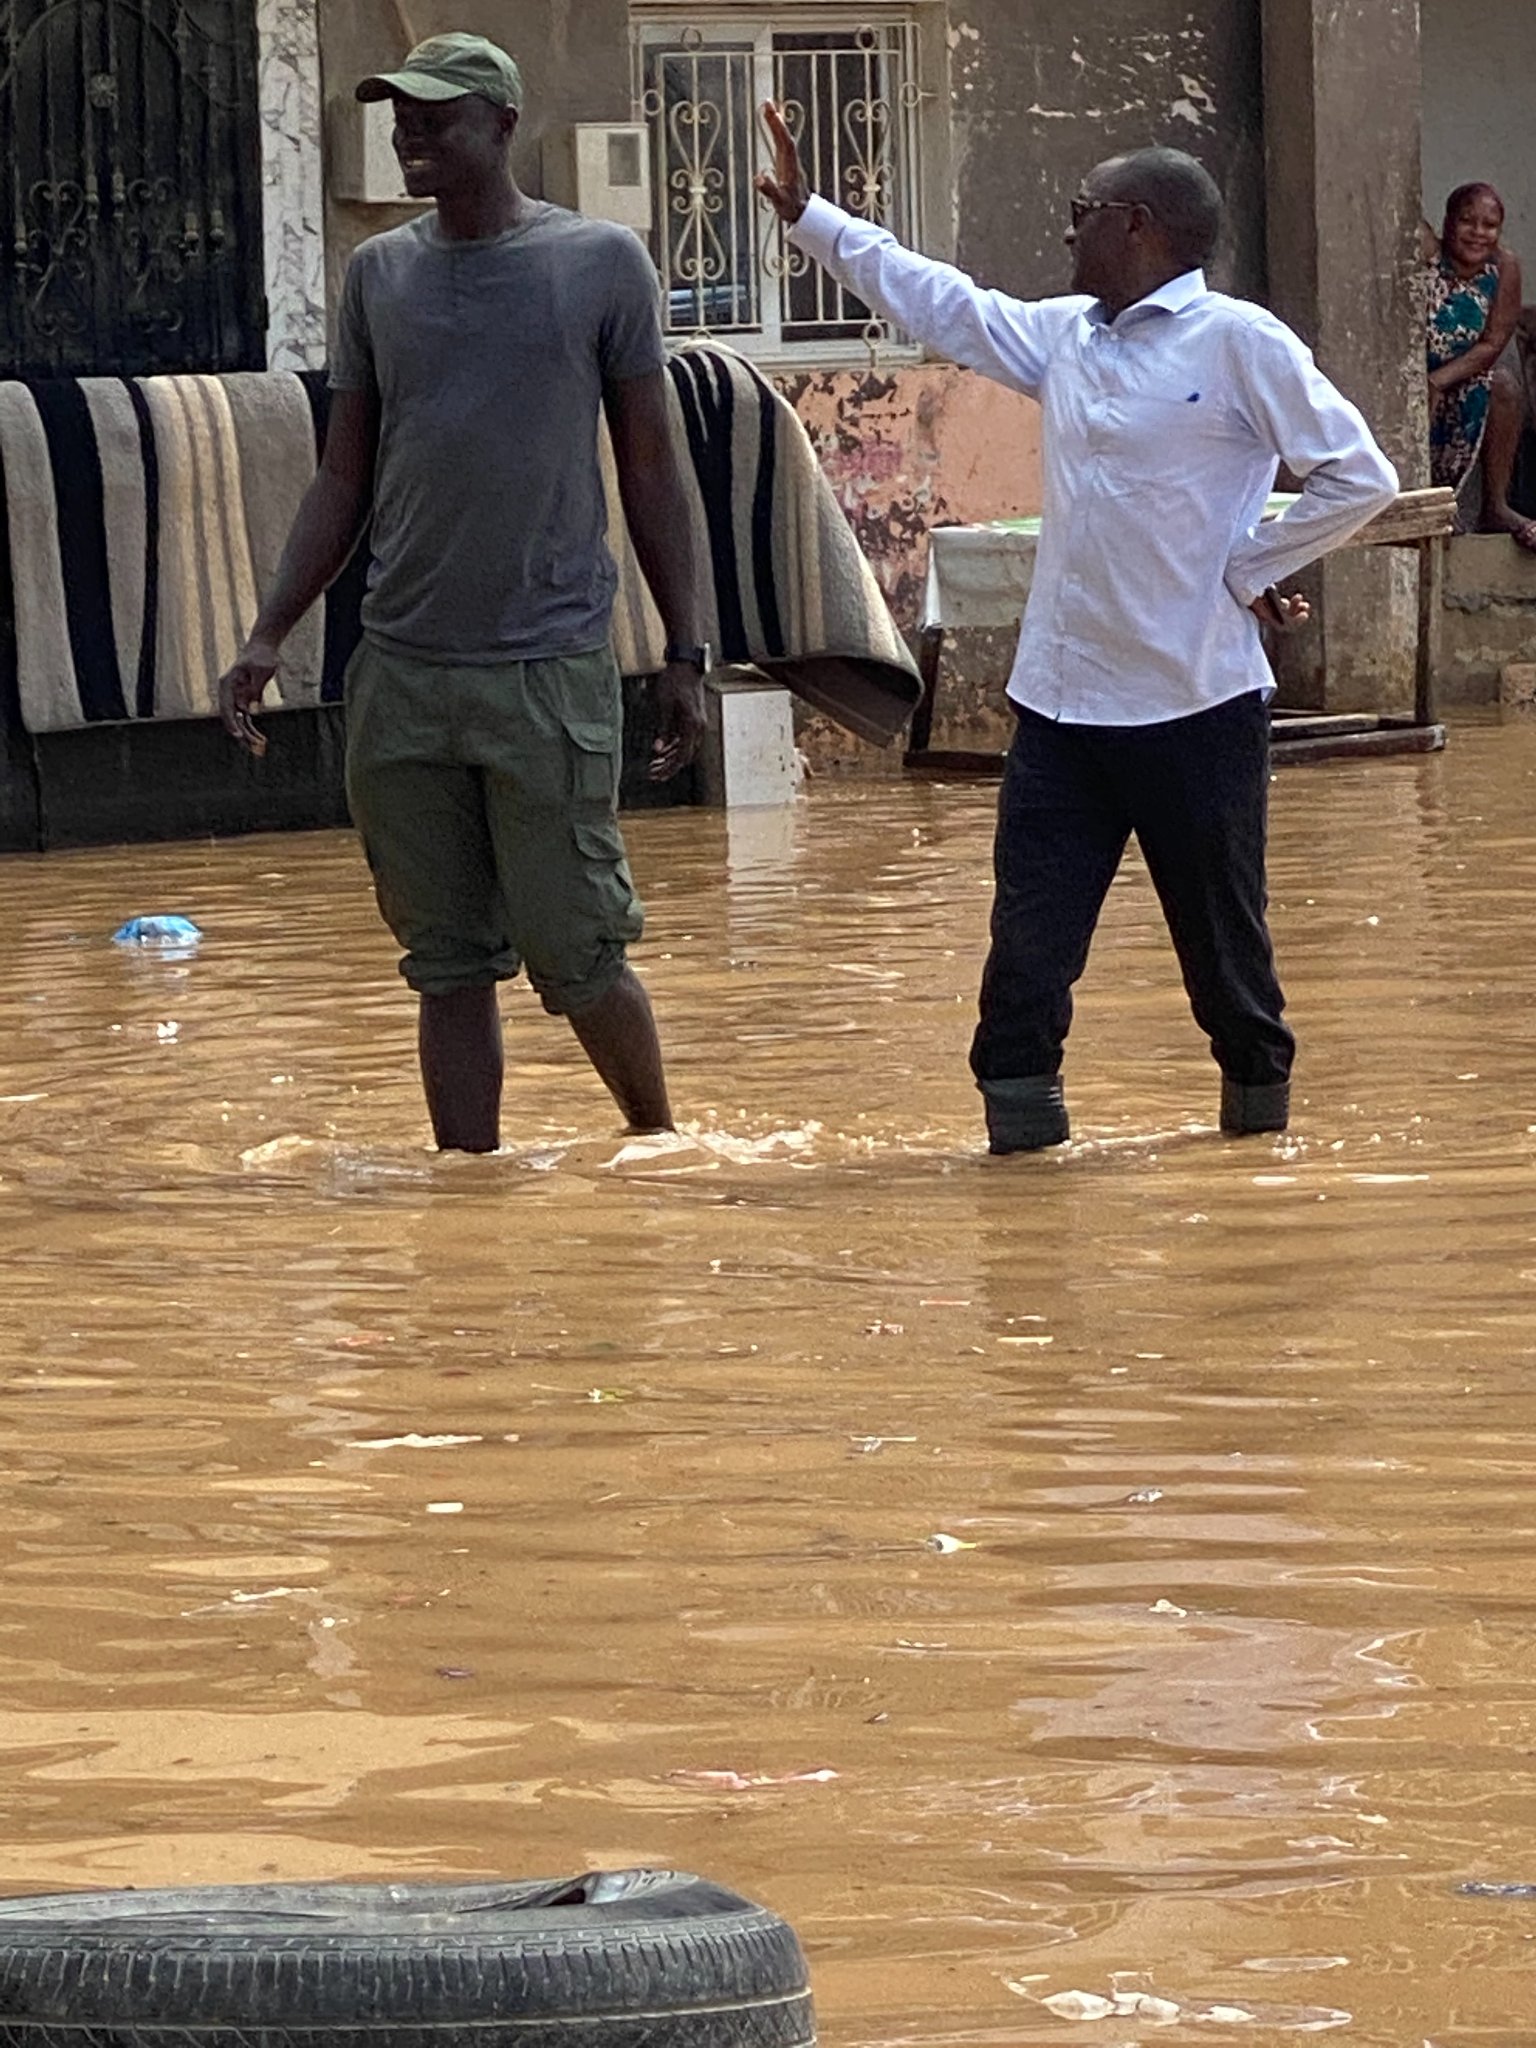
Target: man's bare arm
(324, 533)
(656, 509)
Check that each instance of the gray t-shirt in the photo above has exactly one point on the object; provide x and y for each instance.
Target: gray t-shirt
(490, 359)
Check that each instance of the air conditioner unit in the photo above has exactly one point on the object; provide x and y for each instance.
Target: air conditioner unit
(603, 169)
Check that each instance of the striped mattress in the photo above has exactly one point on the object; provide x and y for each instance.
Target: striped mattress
(145, 515)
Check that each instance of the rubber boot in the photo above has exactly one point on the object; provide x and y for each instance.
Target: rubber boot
(1025, 1115)
(1247, 1111)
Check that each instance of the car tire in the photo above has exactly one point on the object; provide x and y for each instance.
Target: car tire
(616, 1959)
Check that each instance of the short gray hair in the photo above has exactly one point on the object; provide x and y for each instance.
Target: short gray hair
(1179, 193)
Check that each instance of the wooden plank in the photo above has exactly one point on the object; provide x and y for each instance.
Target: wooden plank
(1431, 614)
(1412, 516)
(1389, 739)
(1316, 725)
(1382, 738)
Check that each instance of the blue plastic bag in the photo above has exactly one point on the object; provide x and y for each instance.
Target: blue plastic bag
(157, 931)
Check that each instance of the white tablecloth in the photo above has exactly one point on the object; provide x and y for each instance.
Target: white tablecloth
(978, 575)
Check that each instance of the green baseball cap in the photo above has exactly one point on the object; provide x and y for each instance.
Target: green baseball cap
(450, 67)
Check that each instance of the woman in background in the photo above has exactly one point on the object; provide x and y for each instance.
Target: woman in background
(1472, 301)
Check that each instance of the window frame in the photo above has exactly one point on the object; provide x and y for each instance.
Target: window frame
(733, 24)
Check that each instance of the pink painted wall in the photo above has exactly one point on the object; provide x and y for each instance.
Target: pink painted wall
(910, 448)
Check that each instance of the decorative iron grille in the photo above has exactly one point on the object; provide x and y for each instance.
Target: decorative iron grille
(852, 100)
(131, 187)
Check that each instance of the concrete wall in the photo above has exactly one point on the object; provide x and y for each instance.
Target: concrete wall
(1490, 616)
(1479, 70)
(1341, 80)
(1045, 89)
(574, 56)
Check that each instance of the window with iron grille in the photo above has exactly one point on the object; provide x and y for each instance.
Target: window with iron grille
(851, 93)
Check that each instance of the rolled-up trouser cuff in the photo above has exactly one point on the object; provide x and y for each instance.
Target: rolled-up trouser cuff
(1025, 1114)
(1248, 1109)
(570, 998)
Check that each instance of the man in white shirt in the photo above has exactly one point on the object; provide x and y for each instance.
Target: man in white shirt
(1141, 683)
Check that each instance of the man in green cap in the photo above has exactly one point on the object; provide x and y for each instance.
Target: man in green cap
(476, 346)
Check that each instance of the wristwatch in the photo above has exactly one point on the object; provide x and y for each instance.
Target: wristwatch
(701, 657)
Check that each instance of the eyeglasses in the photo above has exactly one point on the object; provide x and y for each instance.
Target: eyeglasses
(1081, 208)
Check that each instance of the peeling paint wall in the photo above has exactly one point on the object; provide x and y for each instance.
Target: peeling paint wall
(911, 448)
(906, 449)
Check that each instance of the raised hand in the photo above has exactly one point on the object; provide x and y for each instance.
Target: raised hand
(786, 187)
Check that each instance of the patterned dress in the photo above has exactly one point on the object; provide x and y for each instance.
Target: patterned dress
(1457, 311)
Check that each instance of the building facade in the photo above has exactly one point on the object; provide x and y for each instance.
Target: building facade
(189, 177)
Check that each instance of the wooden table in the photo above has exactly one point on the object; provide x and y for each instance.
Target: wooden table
(980, 576)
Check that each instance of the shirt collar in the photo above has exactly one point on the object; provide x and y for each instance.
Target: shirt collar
(1175, 296)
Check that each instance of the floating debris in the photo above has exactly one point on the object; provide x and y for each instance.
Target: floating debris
(410, 1442)
(749, 1781)
(178, 932)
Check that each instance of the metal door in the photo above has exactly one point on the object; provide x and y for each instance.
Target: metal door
(131, 188)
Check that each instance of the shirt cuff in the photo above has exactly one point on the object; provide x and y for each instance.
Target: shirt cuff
(1240, 581)
(819, 227)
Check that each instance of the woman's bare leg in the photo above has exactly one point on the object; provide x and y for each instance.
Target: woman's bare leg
(1501, 446)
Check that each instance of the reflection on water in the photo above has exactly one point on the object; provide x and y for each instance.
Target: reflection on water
(369, 1512)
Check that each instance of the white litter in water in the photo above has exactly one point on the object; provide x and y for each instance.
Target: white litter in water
(713, 1146)
(410, 1442)
(445, 1507)
(1079, 2005)
(280, 1151)
(238, 1600)
(1156, 2011)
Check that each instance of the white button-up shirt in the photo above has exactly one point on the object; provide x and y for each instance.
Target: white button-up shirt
(1164, 429)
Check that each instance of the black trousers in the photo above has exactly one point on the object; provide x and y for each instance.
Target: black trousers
(1195, 792)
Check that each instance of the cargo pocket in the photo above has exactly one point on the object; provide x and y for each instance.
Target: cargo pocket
(611, 887)
(579, 926)
(594, 764)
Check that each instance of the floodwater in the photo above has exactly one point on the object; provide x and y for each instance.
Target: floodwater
(373, 1514)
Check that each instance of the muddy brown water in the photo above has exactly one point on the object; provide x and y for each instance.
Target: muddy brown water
(372, 1514)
